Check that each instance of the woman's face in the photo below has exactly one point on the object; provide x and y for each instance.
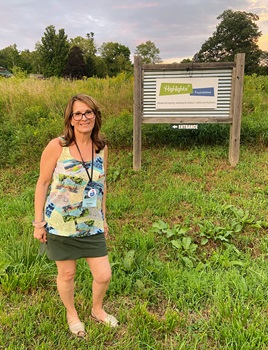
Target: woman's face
(83, 118)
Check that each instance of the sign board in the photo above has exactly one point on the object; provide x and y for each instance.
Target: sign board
(192, 93)
(187, 93)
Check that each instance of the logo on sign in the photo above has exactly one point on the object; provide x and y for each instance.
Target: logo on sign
(175, 89)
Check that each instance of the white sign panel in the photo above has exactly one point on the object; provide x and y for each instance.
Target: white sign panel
(186, 93)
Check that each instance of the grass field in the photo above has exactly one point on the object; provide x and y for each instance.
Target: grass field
(188, 233)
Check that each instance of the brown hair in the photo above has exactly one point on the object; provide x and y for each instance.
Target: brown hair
(68, 133)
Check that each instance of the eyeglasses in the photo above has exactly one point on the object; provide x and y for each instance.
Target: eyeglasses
(78, 115)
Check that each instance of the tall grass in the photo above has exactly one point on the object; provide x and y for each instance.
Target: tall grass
(32, 110)
(32, 114)
(188, 234)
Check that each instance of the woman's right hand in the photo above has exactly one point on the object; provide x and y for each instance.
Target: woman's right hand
(40, 234)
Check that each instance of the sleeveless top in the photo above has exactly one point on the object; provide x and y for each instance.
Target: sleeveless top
(66, 209)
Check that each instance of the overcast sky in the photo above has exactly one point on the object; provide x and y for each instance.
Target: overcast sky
(177, 27)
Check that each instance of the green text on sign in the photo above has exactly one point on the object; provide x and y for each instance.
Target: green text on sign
(175, 89)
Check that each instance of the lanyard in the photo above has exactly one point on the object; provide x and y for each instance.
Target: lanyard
(83, 162)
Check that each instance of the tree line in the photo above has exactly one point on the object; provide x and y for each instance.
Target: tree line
(56, 55)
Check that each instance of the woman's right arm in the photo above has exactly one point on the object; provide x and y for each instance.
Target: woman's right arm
(48, 162)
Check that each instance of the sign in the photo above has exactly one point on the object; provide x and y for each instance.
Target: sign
(186, 93)
(185, 126)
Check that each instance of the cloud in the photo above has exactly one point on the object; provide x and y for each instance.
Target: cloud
(178, 28)
(136, 6)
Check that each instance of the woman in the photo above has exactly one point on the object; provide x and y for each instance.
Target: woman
(70, 211)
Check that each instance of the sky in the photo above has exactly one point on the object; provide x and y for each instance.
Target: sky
(178, 28)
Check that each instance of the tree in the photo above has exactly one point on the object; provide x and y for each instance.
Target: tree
(96, 66)
(54, 49)
(186, 60)
(236, 33)
(101, 69)
(116, 57)
(10, 57)
(75, 67)
(263, 68)
(87, 45)
(149, 52)
(26, 61)
(36, 60)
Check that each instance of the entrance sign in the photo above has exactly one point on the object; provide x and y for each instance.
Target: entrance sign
(188, 93)
(183, 126)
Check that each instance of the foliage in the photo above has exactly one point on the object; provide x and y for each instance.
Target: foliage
(186, 241)
(75, 66)
(238, 220)
(53, 50)
(149, 52)
(9, 57)
(96, 67)
(87, 45)
(181, 241)
(237, 32)
(27, 61)
(19, 73)
(116, 57)
(263, 67)
(29, 105)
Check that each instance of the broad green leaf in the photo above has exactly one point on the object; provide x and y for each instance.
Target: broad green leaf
(176, 243)
(170, 233)
(188, 262)
(186, 241)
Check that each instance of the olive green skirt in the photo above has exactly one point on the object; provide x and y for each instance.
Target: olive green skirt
(60, 248)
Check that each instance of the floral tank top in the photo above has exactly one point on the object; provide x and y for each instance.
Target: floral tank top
(67, 211)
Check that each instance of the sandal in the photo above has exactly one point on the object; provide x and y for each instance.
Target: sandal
(78, 329)
(109, 321)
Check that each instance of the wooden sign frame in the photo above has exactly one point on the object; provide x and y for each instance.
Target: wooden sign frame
(234, 103)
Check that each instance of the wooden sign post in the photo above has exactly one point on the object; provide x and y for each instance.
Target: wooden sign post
(188, 93)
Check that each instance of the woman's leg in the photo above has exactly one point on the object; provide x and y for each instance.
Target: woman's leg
(101, 272)
(65, 284)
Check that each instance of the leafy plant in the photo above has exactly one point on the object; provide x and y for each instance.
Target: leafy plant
(183, 243)
(244, 217)
(208, 230)
(186, 250)
(238, 219)
(114, 174)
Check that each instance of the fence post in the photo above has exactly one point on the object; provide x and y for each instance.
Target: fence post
(137, 113)
(236, 108)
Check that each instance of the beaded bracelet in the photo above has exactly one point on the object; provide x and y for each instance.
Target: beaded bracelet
(39, 224)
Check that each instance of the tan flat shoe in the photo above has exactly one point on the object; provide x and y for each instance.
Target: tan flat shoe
(109, 321)
(78, 329)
